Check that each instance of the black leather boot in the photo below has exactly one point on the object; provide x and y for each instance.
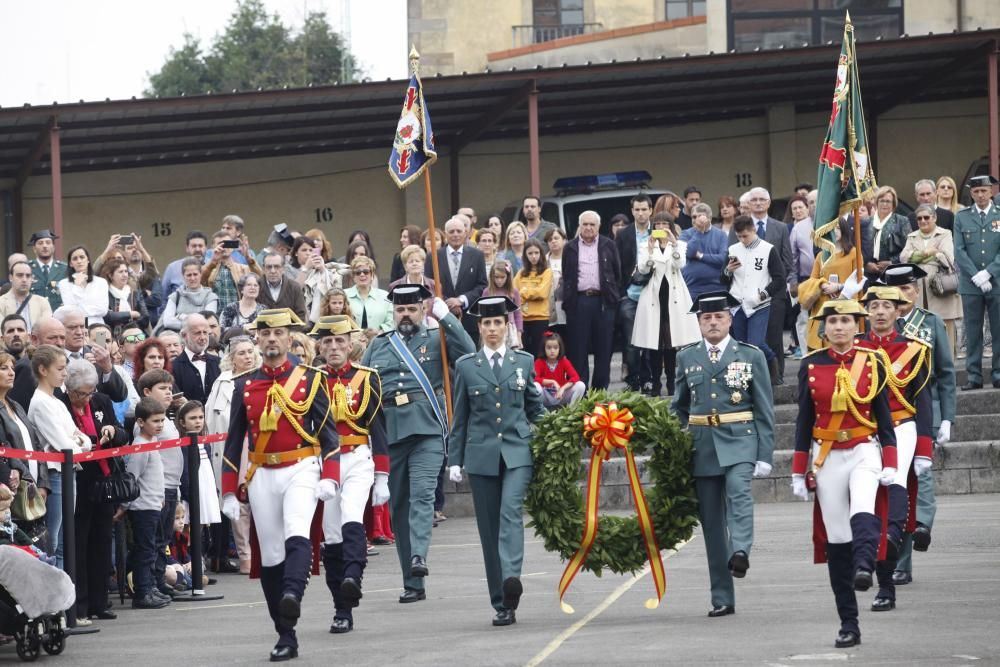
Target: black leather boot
(840, 563)
(865, 529)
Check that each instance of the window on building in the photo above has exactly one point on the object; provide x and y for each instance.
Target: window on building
(768, 24)
(557, 18)
(679, 9)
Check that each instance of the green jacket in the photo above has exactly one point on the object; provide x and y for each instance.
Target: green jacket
(977, 247)
(492, 416)
(928, 327)
(406, 408)
(739, 382)
(50, 288)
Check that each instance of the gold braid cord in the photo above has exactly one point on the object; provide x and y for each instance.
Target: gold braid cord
(845, 395)
(340, 405)
(280, 402)
(897, 384)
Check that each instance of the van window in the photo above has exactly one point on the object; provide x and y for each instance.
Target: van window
(606, 207)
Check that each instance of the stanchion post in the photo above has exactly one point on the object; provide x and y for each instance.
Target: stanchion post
(69, 526)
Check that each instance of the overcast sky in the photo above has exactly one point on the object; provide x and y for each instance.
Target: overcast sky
(68, 50)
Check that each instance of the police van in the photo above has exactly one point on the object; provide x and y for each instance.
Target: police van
(607, 194)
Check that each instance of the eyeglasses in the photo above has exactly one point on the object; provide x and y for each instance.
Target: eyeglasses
(362, 272)
(134, 338)
(924, 217)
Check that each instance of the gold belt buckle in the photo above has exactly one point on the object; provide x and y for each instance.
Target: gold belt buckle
(402, 399)
(843, 436)
(714, 420)
(272, 459)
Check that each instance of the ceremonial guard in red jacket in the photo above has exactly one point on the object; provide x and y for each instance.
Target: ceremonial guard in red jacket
(843, 406)
(293, 462)
(355, 408)
(908, 361)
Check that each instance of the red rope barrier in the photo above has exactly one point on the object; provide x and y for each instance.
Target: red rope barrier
(97, 455)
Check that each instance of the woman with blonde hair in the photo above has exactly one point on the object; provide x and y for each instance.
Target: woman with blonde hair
(668, 203)
(303, 347)
(370, 305)
(514, 241)
(325, 247)
(947, 194)
(414, 259)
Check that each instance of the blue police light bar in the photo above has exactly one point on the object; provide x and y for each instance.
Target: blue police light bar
(592, 183)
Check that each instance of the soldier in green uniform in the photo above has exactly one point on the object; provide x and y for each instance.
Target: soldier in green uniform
(45, 269)
(495, 401)
(409, 362)
(918, 323)
(977, 253)
(724, 397)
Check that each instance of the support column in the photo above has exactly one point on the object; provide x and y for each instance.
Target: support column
(993, 111)
(533, 159)
(781, 150)
(57, 212)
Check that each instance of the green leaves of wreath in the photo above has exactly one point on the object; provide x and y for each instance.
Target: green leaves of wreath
(555, 497)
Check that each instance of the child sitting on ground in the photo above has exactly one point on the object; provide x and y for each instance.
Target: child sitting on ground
(554, 374)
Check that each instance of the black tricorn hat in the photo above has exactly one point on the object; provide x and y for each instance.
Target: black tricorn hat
(492, 306)
(405, 294)
(901, 274)
(713, 302)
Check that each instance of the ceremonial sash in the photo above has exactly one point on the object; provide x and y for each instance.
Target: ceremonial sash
(825, 446)
(265, 436)
(418, 372)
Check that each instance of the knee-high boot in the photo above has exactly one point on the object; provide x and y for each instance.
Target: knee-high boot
(298, 564)
(840, 563)
(272, 581)
(333, 566)
(865, 530)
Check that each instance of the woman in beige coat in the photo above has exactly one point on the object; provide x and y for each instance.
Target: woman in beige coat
(933, 248)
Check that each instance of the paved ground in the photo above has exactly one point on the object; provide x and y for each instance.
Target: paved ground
(948, 616)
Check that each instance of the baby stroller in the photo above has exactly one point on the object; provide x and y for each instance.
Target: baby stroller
(33, 596)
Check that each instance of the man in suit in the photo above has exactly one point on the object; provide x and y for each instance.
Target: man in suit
(20, 300)
(47, 270)
(415, 426)
(195, 371)
(977, 253)
(463, 273)
(495, 392)
(278, 291)
(724, 397)
(591, 288)
(926, 193)
(627, 245)
(774, 232)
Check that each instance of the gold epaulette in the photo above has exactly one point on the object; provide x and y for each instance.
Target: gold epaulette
(363, 368)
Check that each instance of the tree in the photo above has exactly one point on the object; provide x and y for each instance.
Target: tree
(256, 50)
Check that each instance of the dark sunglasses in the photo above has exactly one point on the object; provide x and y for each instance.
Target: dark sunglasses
(924, 217)
(362, 272)
(134, 338)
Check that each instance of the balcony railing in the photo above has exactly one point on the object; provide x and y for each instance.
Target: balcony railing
(523, 35)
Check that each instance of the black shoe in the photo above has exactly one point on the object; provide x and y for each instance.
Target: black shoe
(161, 596)
(418, 567)
(169, 591)
(996, 384)
(382, 541)
(862, 580)
(921, 537)
(846, 638)
(104, 616)
(341, 626)
(149, 602)
(723, 610)
(289, 610)
(883, 604)
(972, 385)
(505, 617)
(739, 563)
(283, 653)
(410, 595)
(901, 578)
(512, 590)
(350, 588)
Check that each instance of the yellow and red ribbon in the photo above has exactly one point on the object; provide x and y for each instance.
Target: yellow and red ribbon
(609, 428)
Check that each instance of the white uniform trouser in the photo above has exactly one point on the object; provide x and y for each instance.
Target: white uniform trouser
(906, 447)
(846, 485)
(357, 474)
(283, 502)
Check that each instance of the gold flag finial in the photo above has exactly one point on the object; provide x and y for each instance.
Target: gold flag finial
(847, 17)
(414, 60)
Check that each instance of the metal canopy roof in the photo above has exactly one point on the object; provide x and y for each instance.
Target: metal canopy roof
(490, 105)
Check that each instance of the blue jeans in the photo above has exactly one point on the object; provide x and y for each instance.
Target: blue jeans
(753, 329)
(54, 517)
(145, 525)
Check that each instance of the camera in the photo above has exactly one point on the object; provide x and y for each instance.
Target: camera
(232, 244)
(126, 240)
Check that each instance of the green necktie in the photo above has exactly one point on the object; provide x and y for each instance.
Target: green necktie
(496, 365)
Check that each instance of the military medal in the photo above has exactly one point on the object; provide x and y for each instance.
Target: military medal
(520, 379)
(423, 349)
(738, 376)
(736, 397)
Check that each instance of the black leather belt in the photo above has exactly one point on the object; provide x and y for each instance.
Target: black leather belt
(591, 292)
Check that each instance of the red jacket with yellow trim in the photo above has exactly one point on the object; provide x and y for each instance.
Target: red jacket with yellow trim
(917, 392)
(360, 381)
(817, 381)
(249, 398)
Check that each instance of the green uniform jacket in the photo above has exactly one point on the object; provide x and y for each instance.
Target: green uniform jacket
(492, 416)
(414, 415)
(49, 289)
(977, 247)
(928, 327)
(739, 382)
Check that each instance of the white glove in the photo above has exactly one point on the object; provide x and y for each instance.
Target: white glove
(326, 490)
(455, 473)
(852, 286)
(986, 288)
(231, 506)
(761, 469)
(944, 432)
(799, 489)
(921, 464)
(981, 278)
(380, 492)
(439, 309)
(887, 476)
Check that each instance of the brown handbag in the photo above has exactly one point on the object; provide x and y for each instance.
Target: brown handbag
(945, 281)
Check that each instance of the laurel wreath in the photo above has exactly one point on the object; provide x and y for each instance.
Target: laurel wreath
(555, 497)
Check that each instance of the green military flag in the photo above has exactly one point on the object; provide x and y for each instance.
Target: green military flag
(845, 176)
